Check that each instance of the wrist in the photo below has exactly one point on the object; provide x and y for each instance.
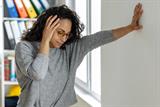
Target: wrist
(44, 47)
(44, 41)
(130, 27)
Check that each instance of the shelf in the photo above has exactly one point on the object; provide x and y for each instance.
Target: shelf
(19, 19)
(10, 83)
(9, 51)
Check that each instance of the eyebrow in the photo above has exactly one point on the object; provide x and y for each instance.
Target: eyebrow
(63, 30)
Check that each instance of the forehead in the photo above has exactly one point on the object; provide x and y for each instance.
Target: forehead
(66, 25)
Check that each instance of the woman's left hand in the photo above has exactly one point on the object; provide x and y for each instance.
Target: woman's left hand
(136, 17)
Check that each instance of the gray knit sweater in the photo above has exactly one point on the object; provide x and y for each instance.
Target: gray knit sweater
(48, 80)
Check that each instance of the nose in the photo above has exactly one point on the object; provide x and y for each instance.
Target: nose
(64, 38)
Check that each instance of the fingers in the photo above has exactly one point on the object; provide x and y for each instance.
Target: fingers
(52, 21)
(138, 12)
(54, 27)
(138, 16)
(138, 8)
(48, 20)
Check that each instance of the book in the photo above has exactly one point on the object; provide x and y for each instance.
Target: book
(12, 74)
(6, 69)
(9, 34)
(13, 91)
(9, 68)
(29, 24)
(22, 26)
(38, 7)
(45, 4)
(21, 9)
(30, 10)
(12, 12)
(16, 30)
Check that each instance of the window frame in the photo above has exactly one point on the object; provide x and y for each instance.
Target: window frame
(87, 87)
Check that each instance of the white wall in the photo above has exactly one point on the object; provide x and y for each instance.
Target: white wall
(131, 65)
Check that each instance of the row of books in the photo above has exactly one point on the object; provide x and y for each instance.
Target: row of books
(26, 8)
(14, 30)
(9, 68)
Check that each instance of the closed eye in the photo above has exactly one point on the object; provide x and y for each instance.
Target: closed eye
(60, 32)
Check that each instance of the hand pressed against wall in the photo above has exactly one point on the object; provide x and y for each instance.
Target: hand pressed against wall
(136, 17)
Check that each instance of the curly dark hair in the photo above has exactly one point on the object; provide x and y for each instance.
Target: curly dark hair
(63, 12)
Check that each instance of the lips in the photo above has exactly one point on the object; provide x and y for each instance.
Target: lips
(59, 43)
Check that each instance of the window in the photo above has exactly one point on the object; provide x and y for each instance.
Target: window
(88, 76)
(95, 54)
(81, 9)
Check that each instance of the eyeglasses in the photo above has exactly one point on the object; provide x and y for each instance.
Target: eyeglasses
(62, 34)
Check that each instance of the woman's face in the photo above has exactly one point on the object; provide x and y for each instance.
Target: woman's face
(61, 34)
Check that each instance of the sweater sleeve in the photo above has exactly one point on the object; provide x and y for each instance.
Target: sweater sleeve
(88, 43)
(33, 66)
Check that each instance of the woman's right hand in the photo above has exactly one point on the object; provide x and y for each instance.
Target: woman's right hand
(51, 25)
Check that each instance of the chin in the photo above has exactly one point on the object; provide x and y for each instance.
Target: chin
(58, 46)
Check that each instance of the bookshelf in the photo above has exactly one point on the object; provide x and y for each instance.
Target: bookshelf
(5, 48)
(19, 19)
(10, 83)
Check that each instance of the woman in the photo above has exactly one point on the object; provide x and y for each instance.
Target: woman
(50, 52)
